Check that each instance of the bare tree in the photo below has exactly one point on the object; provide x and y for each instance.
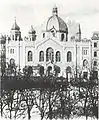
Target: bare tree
(41, 101)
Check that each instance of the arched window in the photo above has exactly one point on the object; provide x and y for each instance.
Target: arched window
(85, 74)
(13, 50)
(43, 35)
(67, 37)
(85, 62)
(29, 55)
(16, 37)
(58, 58)
(68, 73)
(95, 54)
(10, 50)
(12, 37)
(95, 63)
(50, 54)
(95, 74)
(95, 44)
(53, 33)
(41, 70)
(57, 70)
(12, 61)
(68, 69)
(49, 70)
(41, 56)
(62, 37)
(69, 56)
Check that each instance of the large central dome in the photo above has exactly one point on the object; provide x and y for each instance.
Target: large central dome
(56, 22)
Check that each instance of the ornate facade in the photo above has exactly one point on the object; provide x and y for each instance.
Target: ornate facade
(58, 47)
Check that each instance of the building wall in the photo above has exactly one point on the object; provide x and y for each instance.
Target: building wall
(80, 51)
(2, 53)
(95, 40)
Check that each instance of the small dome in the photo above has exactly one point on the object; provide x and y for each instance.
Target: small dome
(56, 22)
(32, 31)
(15, 26)
(95, 35)
(2, 39)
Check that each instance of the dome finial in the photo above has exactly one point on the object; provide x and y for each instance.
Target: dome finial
(32, 27)
(15, 19)
(32, 31)
(55, 10)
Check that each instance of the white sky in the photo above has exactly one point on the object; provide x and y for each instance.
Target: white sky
(35, 12)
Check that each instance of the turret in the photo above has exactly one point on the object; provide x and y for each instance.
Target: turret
(79, 33)
(32, 34)
(15, 32)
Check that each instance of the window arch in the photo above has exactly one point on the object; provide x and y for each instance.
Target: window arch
(30, 57)
(50, 54)
(41, 56)
(58, 56)
(69, 56)
(62, 37)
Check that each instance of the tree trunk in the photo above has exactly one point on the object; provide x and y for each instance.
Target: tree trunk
(85, 106)
(29, 113)
(50, 109)
(42, 115)
(1, 109)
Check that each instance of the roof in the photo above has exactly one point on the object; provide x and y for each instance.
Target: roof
(56, 22)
